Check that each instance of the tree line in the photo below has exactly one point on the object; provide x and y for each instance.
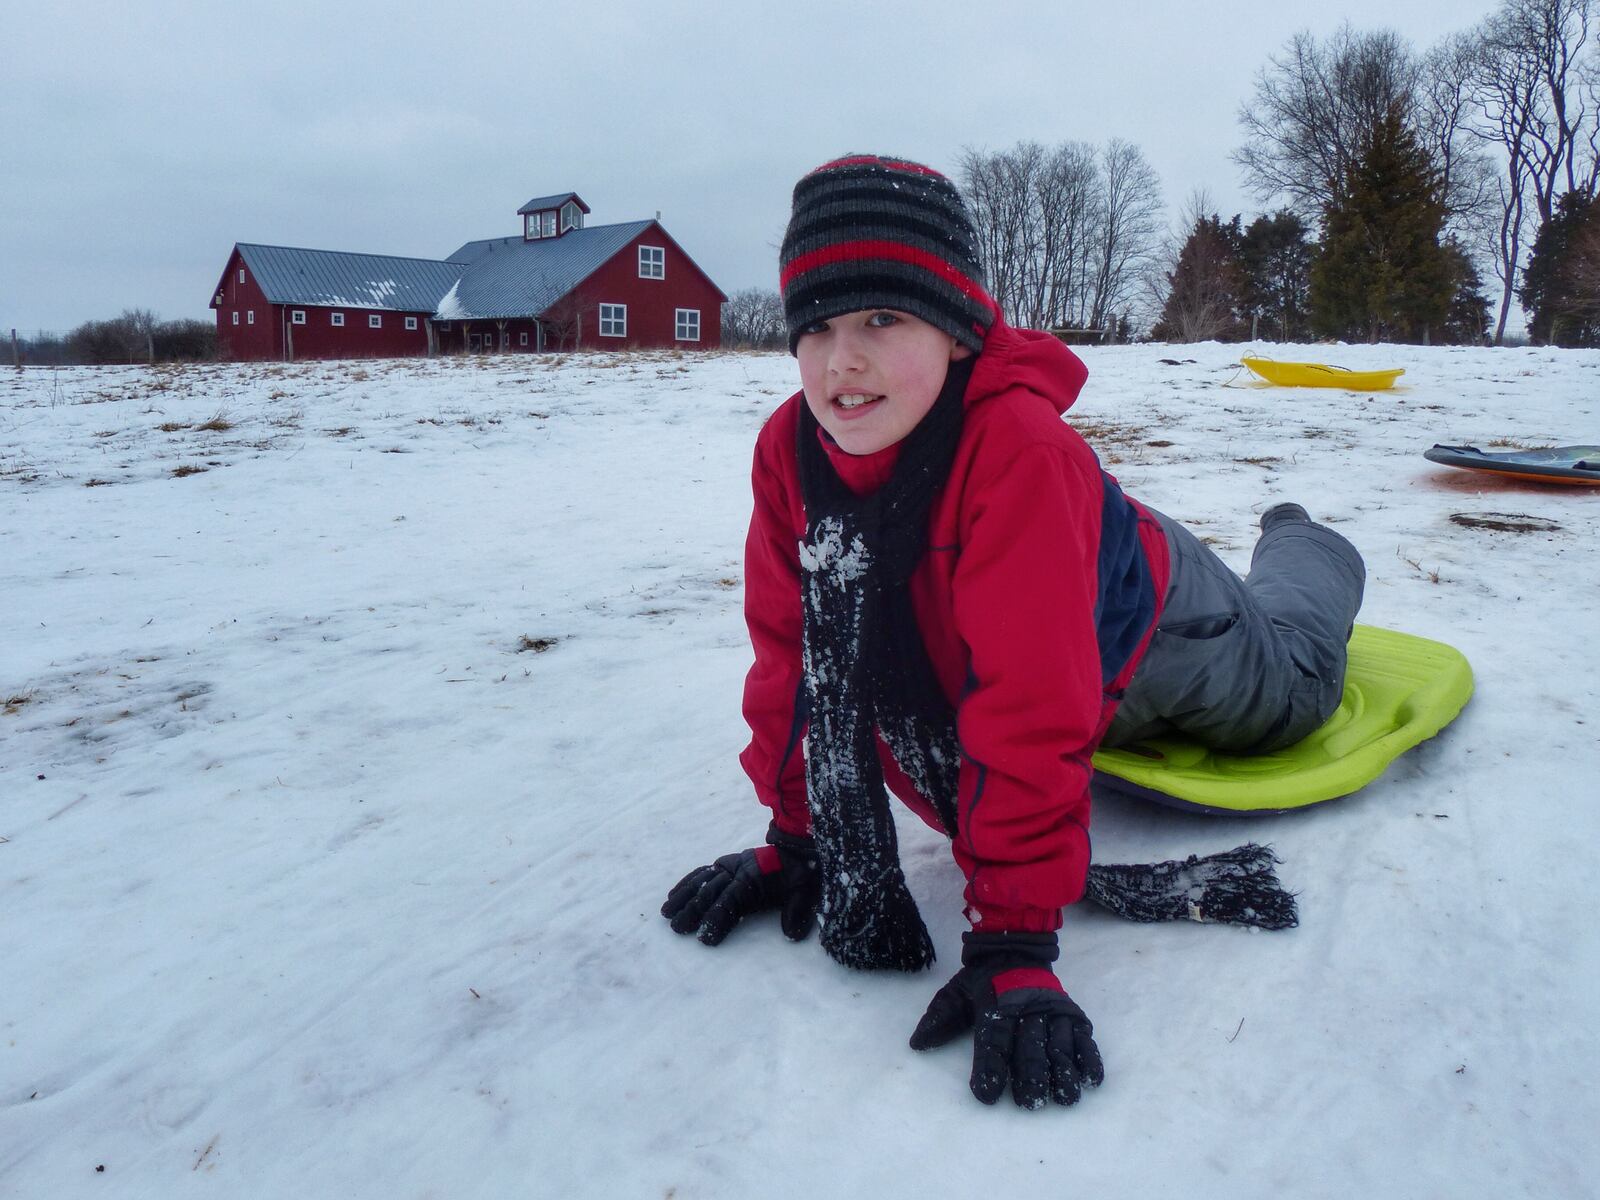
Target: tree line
(1409, 194)
(136, 335)
(1408, 172)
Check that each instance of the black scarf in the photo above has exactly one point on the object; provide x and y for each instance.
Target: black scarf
(867, 670)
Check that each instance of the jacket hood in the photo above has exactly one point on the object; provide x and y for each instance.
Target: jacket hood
(1026, 359)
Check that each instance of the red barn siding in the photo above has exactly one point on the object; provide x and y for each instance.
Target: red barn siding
(319, 337)
(652, 303)
(247, 339)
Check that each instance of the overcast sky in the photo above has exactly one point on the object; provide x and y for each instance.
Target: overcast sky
(141, 141)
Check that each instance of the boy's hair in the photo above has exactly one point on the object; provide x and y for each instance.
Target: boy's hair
(867, 231)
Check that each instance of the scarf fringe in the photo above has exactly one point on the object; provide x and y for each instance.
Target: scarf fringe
(1236, 887)
(878, 929)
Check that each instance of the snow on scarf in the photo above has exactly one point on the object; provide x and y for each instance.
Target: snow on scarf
(867, 670)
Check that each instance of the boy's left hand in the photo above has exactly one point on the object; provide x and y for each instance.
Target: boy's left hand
(1026, 1029)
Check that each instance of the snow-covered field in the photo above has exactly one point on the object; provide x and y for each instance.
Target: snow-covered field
(343, 774)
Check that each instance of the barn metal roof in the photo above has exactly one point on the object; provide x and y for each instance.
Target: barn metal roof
(502, 278)
(337, 279)
(540, 203)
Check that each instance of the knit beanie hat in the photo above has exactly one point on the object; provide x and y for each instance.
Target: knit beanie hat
(873, 232)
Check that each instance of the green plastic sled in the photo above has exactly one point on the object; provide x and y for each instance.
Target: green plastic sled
(1400, 690)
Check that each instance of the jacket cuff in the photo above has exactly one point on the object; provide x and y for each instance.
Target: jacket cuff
(786, 839)
(988, 918)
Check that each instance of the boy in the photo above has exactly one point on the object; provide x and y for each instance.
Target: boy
(947, 595)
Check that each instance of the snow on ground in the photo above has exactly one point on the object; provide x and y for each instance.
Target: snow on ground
(350, 745)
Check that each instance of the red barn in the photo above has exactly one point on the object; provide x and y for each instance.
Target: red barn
(557, 285)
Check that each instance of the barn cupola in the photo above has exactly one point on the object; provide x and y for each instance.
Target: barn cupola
(551, 216)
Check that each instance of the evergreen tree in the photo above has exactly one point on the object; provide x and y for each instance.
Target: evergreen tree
(1382, 272)
(1466, 322)
(1560, 307)
(1206, 287)
(1275, 254)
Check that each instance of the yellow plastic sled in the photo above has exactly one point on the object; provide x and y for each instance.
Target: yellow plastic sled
(1305, 374)
(1399, 690)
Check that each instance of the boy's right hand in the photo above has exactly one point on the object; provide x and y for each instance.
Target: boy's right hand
(784, 875)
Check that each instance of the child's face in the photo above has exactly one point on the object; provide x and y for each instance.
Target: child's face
(871, 376)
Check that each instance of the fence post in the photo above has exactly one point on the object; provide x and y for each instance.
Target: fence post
(16, 351)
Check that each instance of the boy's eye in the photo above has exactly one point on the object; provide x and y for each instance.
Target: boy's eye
(881, 320)
(814, 327)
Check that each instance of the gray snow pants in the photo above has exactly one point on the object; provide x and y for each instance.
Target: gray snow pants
(1247, 665)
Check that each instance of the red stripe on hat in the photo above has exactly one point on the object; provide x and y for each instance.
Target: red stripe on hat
(844, 252)
(894, 164)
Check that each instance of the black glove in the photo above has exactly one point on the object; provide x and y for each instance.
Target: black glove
(1027, 1028)
(782, 874)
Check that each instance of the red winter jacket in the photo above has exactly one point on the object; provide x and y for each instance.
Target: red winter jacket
(1036, 599)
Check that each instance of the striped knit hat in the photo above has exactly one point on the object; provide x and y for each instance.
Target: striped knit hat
(874, 232)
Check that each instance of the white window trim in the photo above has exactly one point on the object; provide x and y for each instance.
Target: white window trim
(297, 316)
(522, 338)
(241, 274)
(571, 217)
(250, 316)
(236, 317)
(652, 265)
(337, 319)
(617, 320)
(374, 321)
(411, 323)
(683, 318)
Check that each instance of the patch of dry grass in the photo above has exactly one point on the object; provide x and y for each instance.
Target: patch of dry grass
(1505, 522)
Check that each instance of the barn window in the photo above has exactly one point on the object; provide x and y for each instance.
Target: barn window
(235, 318)
(297, 316)
(374, 321)
(411, 322)
(571, 216)
(686, 325)
(250, 317)
(241, 274)
(613, 320)
(522, 338)
(336, 318)
(652, 262)
(542, 224)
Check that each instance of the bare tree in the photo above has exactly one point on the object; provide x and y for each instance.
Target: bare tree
(1001, 191)
(1129, 230)
(752, 319)
(136, 328)
(563, 320)
(1542, 41)
(1063, 231)
(1312, 106)
(1447, 106)
(1539, 110)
